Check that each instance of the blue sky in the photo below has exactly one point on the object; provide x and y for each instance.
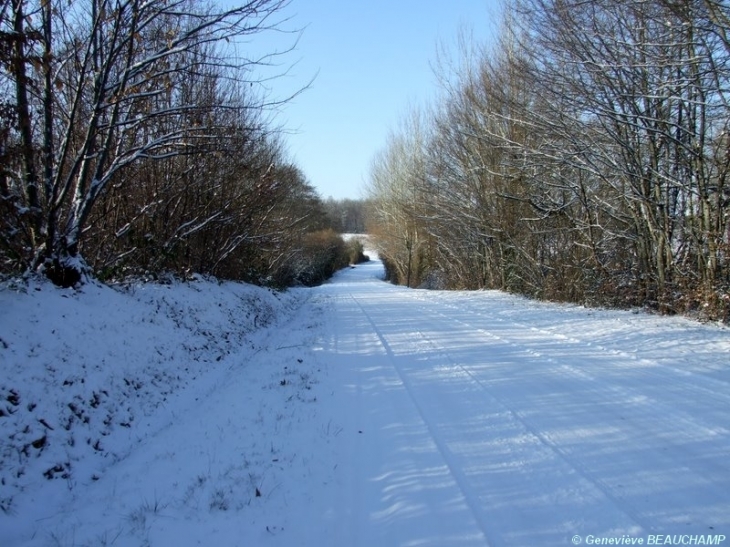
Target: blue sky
(372, 60)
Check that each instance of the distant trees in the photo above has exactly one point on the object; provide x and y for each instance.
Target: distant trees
(133, 139)
(347, 216)
(583, 157)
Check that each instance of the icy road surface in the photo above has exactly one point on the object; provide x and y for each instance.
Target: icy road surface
(374, 415)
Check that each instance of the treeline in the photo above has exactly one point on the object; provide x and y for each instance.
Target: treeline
(135, 139)
(348, 216)
(583, 157)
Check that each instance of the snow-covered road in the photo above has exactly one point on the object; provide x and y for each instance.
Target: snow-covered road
(374, 415)
(481, 419)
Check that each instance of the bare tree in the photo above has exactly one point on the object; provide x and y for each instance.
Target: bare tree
(397, 178)
(102, 86)
(648, 81)
(583, 157)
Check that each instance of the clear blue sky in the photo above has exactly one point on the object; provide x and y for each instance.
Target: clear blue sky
(373, 59)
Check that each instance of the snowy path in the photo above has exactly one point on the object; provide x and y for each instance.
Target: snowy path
(482, 429)
(380, 416)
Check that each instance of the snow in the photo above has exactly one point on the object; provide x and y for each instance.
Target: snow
(356, 413)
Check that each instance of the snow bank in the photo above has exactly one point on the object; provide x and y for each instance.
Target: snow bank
(84, 371)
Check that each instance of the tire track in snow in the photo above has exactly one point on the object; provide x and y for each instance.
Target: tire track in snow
(643, 465)
(711, 392)
(580, 469)
(668, 424)
(623, 391)
(711, 386)
(448, 457)
(494, 538)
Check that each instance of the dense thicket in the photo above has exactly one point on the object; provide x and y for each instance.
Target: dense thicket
(134, 139)
(583, 157)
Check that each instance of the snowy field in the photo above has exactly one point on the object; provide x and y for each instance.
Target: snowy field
(355, 414)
